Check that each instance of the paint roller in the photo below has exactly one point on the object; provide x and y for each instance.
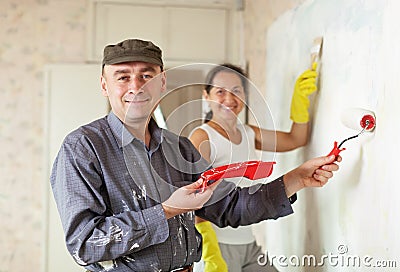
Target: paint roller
(355, 118)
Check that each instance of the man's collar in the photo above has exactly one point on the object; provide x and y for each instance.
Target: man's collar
(124, 137)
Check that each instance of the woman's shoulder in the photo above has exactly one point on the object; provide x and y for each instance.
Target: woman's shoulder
(250, 128)
(199, 133)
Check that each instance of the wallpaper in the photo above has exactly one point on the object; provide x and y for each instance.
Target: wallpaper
(33, 33)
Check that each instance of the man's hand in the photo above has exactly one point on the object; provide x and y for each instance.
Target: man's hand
(313, 173)
(188, 198)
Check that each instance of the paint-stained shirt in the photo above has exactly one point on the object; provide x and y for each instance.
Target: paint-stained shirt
(109, 187)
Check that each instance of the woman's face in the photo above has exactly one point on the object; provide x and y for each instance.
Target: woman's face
(227, 96)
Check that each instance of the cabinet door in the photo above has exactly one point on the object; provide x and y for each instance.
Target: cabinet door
(197, 34)
(186, 34)
(114, 22)
(73, 98)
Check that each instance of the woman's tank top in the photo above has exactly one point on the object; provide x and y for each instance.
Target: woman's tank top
(224, 152)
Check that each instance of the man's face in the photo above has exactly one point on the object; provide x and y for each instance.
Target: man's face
(133, 89)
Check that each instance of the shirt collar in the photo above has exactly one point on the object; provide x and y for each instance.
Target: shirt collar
(124, 137)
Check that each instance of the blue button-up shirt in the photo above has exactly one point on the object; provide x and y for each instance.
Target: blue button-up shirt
(109, 187)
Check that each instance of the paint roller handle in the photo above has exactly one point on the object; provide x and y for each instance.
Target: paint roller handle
(367, 122)
(336, 150)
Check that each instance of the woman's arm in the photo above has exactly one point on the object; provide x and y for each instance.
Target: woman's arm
(199, 139)
(279, 141)
(298, 135)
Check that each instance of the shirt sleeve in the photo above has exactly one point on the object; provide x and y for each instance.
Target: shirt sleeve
(236, 206)
(92, 232)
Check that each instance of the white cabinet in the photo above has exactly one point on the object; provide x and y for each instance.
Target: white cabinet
(114, 22)
(197, 34)
(186, 31)
(72, 98)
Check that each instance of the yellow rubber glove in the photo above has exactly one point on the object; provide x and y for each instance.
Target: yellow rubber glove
(305, 85)
(211, 256)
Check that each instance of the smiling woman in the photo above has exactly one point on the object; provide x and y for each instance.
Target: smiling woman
(223, 140)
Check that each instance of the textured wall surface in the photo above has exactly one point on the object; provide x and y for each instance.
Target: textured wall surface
(353, 219)
(258, 16)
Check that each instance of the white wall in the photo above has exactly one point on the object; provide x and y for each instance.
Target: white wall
(359, 68)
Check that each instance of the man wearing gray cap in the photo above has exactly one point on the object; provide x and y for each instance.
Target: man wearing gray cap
(128, 191)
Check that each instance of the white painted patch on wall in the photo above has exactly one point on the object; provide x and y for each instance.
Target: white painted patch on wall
(359, 68)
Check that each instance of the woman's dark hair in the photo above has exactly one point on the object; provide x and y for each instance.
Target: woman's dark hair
(225, 67)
